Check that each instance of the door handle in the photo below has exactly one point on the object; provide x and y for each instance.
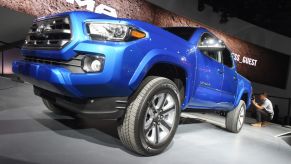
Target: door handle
(220, 71)
(234, 78)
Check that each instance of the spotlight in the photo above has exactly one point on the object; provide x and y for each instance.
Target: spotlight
(223, 18)
(201, 5)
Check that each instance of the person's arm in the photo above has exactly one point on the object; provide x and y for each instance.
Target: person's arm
(260, 107)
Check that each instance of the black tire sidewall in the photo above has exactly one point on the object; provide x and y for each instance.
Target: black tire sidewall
(233, 116)
(168, 87)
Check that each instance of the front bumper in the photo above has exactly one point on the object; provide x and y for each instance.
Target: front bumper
(101, 108)
(60, 80)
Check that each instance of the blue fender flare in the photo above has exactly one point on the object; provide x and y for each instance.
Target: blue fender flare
(242, 89)
(160, 56)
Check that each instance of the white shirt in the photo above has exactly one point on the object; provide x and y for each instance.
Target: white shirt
(267, 104)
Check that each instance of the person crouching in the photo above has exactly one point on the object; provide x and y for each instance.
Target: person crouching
(264, 110)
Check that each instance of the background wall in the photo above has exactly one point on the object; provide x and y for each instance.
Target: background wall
(135, 9)
(234, 27)
(9, 56)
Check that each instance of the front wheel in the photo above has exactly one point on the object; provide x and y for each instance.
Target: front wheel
(152, 117)
(235, 118)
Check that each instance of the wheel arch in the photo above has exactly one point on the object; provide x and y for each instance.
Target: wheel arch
(245, 96)
(152, 65)
(244, 91)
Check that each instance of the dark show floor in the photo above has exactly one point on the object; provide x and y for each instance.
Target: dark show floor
(29, 133)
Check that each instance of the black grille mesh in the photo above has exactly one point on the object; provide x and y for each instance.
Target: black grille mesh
(51, 33)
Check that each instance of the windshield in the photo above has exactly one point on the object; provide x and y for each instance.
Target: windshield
(182, 32)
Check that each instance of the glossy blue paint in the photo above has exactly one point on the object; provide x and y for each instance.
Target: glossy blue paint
(209, 84)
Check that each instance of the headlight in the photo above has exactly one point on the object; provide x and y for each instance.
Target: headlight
(113, 32)
(93, 63)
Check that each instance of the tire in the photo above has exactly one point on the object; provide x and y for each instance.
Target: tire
(235, 118)
(56, 109)
(155, 107)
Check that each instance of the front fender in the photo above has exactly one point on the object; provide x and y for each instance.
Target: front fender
(162, 56)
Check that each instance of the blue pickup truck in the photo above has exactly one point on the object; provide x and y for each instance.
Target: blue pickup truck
(141, 75)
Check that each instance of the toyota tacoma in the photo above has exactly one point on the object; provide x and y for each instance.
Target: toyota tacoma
(142, 75)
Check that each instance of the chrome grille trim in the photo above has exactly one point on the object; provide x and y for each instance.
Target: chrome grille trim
(52, 33)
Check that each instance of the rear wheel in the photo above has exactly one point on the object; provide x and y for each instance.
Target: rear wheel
(235, 118)
(152, 117)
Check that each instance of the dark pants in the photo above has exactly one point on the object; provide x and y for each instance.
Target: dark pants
(263, 115)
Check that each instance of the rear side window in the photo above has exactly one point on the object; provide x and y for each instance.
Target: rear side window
(212, 54)
(227, 58)
(208, 40)
(215, 48)
(182, 32)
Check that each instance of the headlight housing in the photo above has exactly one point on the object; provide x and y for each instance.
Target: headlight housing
(113, 32)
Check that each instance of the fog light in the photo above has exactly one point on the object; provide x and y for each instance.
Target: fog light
(93, 63)
(96, 65)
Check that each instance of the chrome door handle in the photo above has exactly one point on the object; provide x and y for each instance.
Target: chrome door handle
(219, 71)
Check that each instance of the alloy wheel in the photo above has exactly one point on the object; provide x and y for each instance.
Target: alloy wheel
(159, 118)
(241, 118)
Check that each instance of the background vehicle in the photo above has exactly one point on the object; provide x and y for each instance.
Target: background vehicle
(135, 72)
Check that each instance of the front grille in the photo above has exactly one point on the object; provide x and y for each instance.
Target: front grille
(53, 33)
(74, 65)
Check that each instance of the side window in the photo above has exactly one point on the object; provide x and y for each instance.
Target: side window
(215, 48)
(209, 46)
(212, 54)
(227, 58)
